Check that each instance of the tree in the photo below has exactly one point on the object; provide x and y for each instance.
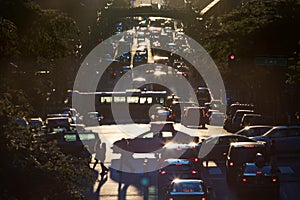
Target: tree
(35, 39)
(31, 168)
(257, 28)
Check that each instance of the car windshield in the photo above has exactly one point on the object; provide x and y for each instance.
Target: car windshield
(187, 187)
(87, 136)
(253, 169)
(70, 137)
(178, 167)
(253, 132)
(247, 154)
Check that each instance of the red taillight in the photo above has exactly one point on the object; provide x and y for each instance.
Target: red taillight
(194, 172)
(274, 180)
(163, 172)
(196, 159)
(171, 198)
(203, 198)
(244, 179)
(259, 173)
(231, 164)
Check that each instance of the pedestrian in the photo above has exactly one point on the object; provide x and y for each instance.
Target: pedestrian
(126, 156)
(100, 157)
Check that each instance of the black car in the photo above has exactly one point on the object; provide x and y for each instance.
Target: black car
(182, 151)
(231, 112)
(253, 178)
(195, 117)
(187, 189)
(214, 147)
(240, 153)
(178, 108)
(79, 144)
(152, 141)
(254, 131)
(285, 138)
(172, 169)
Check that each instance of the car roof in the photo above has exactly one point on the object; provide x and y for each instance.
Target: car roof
(257, 126)
(245, 144)
(246, 128)
(194, 107)
(253, 114)
(172, 145)
(225, 135)
(240, 111)
(285, 127)
(57, 118)
(280, 128)
(187, 180)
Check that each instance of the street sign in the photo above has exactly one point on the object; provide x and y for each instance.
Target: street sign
(271, 61)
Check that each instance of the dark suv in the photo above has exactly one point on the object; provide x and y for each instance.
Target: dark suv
(231, 112)
(240, 153)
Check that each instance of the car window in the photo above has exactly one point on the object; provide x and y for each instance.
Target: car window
(211, 141)
(166, 134)
(294, 132)
(279, 133)
(70, 137)
(187, 187)
(252, 169)
(228, 140)
(148, 135)
(87, 136)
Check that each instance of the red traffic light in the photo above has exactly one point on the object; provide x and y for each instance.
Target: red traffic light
(231, 56)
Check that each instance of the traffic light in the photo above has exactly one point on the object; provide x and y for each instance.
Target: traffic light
(114, 75)
(231, 60)
(231, 56)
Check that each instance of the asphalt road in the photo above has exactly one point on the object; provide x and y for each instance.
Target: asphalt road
(122, 185)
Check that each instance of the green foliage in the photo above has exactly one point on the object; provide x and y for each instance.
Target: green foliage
(41, 34)
(121, 3)
(31, 168)
(8, 39)
(34, 39)
(252, 26)
(256, 28)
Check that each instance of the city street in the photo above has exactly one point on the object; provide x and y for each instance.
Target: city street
(128, 187)
(150, 99)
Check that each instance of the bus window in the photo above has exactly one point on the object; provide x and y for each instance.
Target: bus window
(161, 100)
(106, 99)
(144, 100)
(133, 99)
(119, 99)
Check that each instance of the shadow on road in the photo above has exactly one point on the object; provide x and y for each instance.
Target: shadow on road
(134, 175)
